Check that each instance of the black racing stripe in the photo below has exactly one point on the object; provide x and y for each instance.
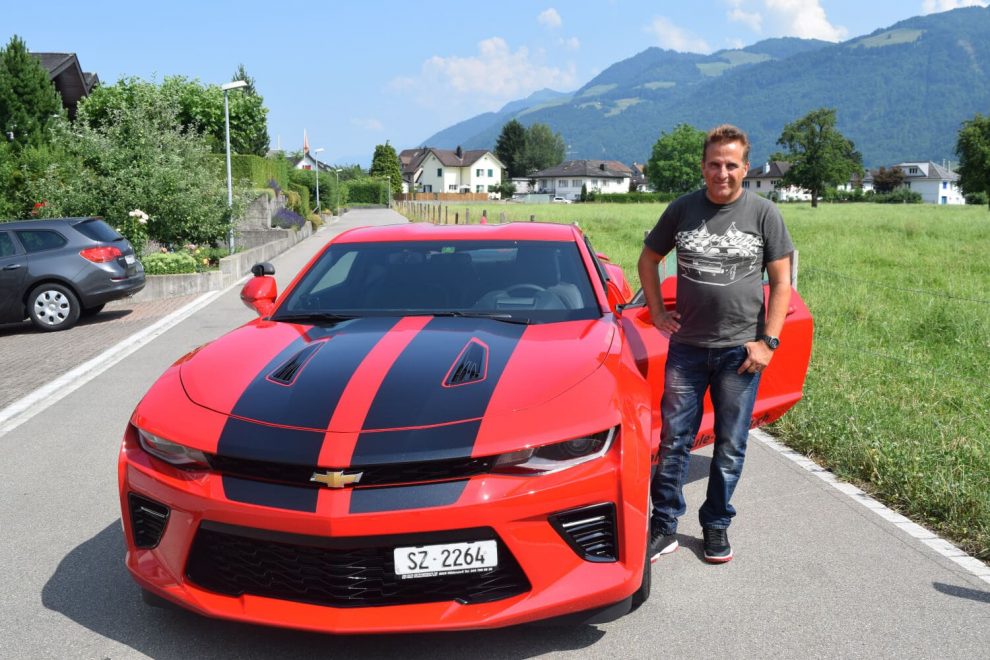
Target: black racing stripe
(277, 496)
(636, 346)
(312, 398)
(400, 498)
(408, 445)
(412, 393)
(258, 442)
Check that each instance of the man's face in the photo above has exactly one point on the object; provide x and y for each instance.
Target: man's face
(724, 169)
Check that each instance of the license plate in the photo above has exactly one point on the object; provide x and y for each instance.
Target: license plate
(129, 259)
(445, 559)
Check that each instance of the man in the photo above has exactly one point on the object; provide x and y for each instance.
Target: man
(721, 335)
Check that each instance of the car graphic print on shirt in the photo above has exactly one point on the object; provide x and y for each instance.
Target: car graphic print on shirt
(719, 260)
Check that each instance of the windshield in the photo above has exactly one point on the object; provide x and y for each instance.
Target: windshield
(531, 281)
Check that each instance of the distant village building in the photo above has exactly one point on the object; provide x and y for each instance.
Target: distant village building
(565, 180)
(768, 181)
(68, 77)
(935, 183)
(428, 169)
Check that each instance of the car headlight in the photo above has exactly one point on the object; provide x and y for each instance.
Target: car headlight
(172, 453)
(555, 457)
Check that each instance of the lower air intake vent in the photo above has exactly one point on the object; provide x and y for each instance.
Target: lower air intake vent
(148, 520)
(590, 531)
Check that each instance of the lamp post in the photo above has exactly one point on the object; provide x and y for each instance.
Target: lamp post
(336, 204)
(237, 84)
(317, 162)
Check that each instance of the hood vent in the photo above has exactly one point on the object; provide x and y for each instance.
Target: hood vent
(288, 372)
(471, 366)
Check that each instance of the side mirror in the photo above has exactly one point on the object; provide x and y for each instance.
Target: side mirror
(263, 268)
(615, 297)
(260, 291)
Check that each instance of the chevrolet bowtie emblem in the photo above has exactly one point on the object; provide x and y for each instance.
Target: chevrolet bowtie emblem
(332, 479)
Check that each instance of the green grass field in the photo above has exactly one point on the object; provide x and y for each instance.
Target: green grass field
(896, 398)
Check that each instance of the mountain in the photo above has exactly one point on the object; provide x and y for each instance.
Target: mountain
(901, 93)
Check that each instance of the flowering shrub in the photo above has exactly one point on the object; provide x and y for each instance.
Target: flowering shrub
(286, 219)
(135, 228)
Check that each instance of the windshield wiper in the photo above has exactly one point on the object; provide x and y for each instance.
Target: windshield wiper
(504, 318)
(313, 317)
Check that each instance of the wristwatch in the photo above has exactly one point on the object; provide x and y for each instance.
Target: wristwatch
(771, 342)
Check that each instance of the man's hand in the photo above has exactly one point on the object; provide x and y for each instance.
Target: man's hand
(759, 357)
(667, 322)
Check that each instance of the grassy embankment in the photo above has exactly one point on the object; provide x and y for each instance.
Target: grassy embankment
(897, 397)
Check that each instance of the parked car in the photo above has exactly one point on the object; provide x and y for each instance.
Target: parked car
(433, 428)
(55, 271)
(560, 200)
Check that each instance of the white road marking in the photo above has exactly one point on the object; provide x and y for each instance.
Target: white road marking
(31, 404)
(929, 538)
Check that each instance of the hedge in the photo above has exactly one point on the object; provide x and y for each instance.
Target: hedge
(259, 171)
(168, 263)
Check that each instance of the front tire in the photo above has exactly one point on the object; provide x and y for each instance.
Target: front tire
(53, 307)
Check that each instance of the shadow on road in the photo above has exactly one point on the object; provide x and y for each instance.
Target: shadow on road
(27, 328)
(962, 592)
(91, 586)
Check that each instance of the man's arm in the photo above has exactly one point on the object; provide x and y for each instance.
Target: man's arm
(779, 273)
(649, 278)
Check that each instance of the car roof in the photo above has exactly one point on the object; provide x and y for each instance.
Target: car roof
(42, 222)
(425, 231)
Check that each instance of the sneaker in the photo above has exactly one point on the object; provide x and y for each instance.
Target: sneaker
(717, 548)
(660, 544)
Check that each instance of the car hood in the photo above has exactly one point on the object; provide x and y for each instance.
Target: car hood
(378, 375)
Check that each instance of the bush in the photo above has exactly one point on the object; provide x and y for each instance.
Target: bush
(316, 221)
(168, 263)
(365, 191)
(978, 198)
(836, 195)
(301, 206)
(259, 171)
(288, 219)
(899, 196)
(633, 197)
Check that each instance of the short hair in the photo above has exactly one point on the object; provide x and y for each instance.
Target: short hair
(726, 133)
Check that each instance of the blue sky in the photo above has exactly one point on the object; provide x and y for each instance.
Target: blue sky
(356, 74)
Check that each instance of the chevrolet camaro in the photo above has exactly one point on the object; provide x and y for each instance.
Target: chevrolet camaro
(431, 428)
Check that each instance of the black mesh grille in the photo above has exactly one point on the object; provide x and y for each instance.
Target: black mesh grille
(372, 475)
(343, 572)
(590, 531)
(148, 520)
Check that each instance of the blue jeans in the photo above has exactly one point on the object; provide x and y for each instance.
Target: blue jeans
(690, 371)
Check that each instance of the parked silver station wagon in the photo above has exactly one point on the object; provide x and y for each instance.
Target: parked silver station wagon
(55, 271)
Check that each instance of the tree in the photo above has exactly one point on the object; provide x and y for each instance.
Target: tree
(820, 156)
(29, 101)
(543, 149)
(252, 128)
(510, 147)
(385, 163)
(886, 181)
(675, 164)
(973, 147)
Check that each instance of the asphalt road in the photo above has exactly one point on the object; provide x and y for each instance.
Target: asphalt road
(816, 573)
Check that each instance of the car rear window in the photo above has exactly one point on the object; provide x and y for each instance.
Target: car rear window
(98, 230)
(38, 240)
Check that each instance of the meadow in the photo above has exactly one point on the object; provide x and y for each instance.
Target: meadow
(896, 398)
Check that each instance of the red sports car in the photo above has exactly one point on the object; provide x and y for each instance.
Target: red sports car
(432, 428)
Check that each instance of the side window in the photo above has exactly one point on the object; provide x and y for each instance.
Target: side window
(6, 245)
(37, 240)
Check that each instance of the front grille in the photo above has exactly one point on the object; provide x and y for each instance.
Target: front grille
(372, 475)
(590, 531)
(148, 520)
(339, 572)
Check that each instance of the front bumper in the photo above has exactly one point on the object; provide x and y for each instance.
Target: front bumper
(553, 579)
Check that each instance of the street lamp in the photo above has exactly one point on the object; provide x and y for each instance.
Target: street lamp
(336, 204)
(237, 84)
(317, 162)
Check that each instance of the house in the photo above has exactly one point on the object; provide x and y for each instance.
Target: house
(567, 179)
(68, 77)
(309, 162)
(639, 181)
(768, 182)
(428, 169)
(935, 183)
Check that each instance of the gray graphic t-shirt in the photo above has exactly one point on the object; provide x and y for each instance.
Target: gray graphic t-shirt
(721, 254)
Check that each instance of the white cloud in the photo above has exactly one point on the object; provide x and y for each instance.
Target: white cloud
(933, 6)
(368, 124)
(496, 73)
(751, 19)
(573, 43)
(550, 18)
(805, 19)
(677, 38)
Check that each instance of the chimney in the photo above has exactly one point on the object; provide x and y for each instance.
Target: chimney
(601, 166)
(459, 152)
